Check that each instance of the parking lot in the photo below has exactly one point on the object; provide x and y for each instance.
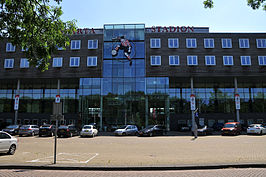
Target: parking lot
(172, 150)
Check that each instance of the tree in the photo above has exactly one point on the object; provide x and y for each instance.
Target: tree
(35, 25)
(254, 4)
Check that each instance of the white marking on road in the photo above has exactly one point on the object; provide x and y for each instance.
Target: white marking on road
(61, 159)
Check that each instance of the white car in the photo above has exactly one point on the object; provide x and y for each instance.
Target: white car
(88, 130)
(256, 129)
(127, 130)
(8, 144)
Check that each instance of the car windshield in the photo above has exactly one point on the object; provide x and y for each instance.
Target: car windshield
(12, 126)
(63, 127)
(25, 127)
(229, 125)
(255, 125)
(87, 127)
(150, 126)
(45, 126)
(122, 127)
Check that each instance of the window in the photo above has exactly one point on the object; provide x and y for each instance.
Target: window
(10, 47)
(173, 60)
(155, 43)
(226, 43)
(92, 44)
(210, 60)
(243, 43)
(192, 60)
(57, 62)
(9, 63)
(261, 43)
(91, 61)
(191, 43)
(24, 63)
(75, 44)
(245, 60)
(262, 60)
(173, 43)
(209, 43)
(74, 61)
(228, 60)
(155, 60)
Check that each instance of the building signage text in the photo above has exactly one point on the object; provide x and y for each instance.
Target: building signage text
(172, 29)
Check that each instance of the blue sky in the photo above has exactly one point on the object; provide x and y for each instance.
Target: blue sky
(226, 16)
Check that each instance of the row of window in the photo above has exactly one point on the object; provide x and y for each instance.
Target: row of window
(209, 60)
(208, 43)
(75, 45)
(155, 61)
(57, 62)
(156, 43)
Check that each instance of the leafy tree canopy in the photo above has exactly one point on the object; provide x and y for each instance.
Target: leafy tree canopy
(35, 25)
(254, 4)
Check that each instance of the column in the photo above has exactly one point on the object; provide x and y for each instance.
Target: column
(146, 111)
(16, 111)
(167, 103)
(236, 93)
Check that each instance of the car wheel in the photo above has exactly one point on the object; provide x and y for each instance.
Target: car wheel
(150, 134)
(12, 150)
(93, 135)
(32, 134)
(261, 132)
(124, 134)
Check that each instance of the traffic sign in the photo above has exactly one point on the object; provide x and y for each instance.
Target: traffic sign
(16, 102)
(237, 101)
(57, 99)
(192, 102)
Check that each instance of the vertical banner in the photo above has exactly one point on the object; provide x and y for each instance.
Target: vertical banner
(192, 102)
(57, 99)
(237, 101)
(16, 102)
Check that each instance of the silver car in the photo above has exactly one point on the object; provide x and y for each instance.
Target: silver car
(8, 144)
(28, 130)
(127, 130)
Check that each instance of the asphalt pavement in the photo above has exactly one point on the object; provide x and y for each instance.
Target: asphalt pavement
(176, 151)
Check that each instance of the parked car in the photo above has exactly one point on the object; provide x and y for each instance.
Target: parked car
(67, 131)
(12, 129)
(152, 130)
(47, 130)
(204, 130)
(88, 130)
(8, 144)
(127, 130)
(218, 126)
(183, 128)
(256, 129)
(231, 128)
(28, 130)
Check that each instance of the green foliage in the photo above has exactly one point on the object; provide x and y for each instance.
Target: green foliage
(36, 26)
(254, 4)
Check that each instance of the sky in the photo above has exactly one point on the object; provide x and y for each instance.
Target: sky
(226, 16)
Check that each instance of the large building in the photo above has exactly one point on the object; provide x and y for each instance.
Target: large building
(130, 74)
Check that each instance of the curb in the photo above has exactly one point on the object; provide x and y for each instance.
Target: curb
(147, 168)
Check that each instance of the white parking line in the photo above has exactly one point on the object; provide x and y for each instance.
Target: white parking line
(66, 158)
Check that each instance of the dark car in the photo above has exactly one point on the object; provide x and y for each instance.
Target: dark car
(47, 130)
(204, 130)
(152, 130)
(218, 126)
(67, 131)
(232, 128)
(12, 129)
